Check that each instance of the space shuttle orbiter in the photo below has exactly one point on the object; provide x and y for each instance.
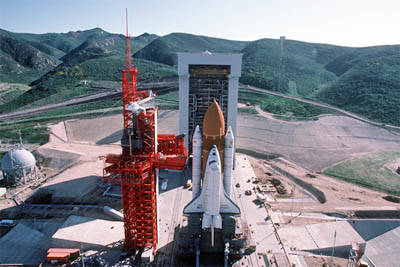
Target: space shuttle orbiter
(213, 198)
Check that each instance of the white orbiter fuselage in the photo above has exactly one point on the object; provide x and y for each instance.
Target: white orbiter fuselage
(212, 199)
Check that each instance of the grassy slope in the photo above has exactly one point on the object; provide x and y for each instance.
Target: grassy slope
(22, 62)
(65, 81)
(95, 59)
(280, 106)
(301, 71)
(64, 42)
(339, 65)
(30, 133)
(36, 41)
(268, 103)
(9, 91)
(362, 80)
(371, 88)
(369, 171)
(13, 72)
(25, 57)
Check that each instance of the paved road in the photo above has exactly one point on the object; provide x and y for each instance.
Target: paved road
(106, 94)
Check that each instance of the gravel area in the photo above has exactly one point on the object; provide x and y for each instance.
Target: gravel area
(314, 145)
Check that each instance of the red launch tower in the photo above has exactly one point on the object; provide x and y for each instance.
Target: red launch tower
(143, 151)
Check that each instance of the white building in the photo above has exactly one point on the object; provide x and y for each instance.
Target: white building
(204, 77)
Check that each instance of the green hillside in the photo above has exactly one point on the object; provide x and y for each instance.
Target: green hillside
(9, 91)
(12, 71)
(141, 41)
(25, 57)
(21, 62)
(370, 171)
(34, 40)
(371, 88)
(65, 42)
(362, 80)
(66, 81)
(345, 62)
(164, 49)
(112, 44)
(97, 55)
(301, 70)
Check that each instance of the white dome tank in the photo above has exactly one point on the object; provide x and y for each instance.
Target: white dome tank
(16, 164)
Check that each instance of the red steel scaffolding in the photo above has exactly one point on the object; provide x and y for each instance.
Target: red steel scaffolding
(142, 153)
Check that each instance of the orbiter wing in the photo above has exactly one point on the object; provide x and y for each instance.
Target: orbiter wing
(228, 206)
(197, 205)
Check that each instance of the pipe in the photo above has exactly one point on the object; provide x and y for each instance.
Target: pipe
(113, 213)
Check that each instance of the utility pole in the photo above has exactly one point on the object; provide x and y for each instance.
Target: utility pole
(20, 137)
(333, 249)
(302, 199)
(281, 40)
(293, 189)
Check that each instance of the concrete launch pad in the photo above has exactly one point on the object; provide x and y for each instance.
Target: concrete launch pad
(380, 237)
(21, 245)
(171, 202)
(177, 196)
(320, 238)
(88, 233)
(383, 250)
(260, 230)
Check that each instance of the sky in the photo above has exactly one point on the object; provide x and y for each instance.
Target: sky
(341, 22)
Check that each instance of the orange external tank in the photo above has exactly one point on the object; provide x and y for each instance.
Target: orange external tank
(213, 133)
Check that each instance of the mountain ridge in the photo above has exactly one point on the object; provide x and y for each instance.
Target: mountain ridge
(305, 69)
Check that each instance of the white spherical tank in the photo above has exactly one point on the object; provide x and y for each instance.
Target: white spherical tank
(17, 164)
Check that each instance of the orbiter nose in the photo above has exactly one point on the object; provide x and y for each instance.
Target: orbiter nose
(214, 161)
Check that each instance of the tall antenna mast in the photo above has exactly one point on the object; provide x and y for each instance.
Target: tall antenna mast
(128, 60)
(127, 32)
(20, 137)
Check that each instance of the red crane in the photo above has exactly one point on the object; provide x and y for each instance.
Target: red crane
(143, 151)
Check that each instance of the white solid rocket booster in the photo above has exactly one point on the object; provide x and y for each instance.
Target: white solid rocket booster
(196, 162)
(228, 160)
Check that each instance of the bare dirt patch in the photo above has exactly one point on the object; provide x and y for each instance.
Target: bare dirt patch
(341, 197)
(315, 145)
(325, 261)
(72, 169)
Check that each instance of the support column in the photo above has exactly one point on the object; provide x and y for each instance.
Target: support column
(184, 106)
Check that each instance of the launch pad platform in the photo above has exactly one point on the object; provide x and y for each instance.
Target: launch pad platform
(260, 233)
